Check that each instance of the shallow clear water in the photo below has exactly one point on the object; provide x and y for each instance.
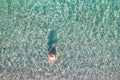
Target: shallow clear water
(88, 35)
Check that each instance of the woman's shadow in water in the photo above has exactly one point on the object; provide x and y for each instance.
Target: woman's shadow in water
(52, 39)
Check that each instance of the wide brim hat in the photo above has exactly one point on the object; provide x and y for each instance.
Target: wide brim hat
(51, 58)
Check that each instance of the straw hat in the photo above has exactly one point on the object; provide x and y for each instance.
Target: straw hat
(51, 58)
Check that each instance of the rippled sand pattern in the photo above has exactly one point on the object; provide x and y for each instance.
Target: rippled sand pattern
(88, 34)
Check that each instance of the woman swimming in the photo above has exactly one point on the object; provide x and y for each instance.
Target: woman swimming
(53, 53)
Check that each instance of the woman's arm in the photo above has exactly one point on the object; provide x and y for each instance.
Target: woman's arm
(56, 52)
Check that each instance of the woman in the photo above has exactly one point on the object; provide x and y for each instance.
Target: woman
(53, 54)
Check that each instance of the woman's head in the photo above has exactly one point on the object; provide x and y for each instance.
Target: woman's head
(51, 58)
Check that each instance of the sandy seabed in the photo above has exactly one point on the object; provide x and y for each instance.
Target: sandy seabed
(88, 35)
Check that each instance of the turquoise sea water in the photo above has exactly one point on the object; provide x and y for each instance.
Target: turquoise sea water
(88, 36)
